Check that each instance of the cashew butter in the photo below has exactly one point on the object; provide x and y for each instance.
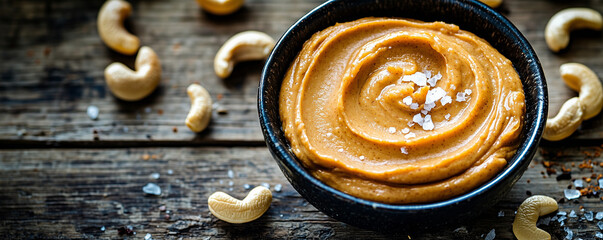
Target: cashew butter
(401, 111)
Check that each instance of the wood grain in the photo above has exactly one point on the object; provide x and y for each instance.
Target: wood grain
(52, 62)
(72, 193)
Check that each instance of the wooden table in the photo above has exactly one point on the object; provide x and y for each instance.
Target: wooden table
(63, 175)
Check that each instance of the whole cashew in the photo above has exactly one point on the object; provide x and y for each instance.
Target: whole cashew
(492, 3)
(200, 113)
(232, 210)
(111, 29)
(587, 105)
(134, 85)
(559, 26)
(580, 78)
(243, 46)
(524, 225)
(221, 7)
(566, 122)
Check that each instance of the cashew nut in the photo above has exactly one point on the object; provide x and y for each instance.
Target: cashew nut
(232, 210)
(111, 29)
(559, 26)
(200, 113)
(221, 7)
(580, 78)
(587, 105)
(492, 3)
(243, 46)
(524, 225)
(134, 85)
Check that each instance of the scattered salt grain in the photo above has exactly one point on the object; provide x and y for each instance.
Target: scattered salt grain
(427, 74)
(246, 186)
(266, 185)
(434, 95)
(552, 219)
(403, 150)
(230, 174)
(446, 100)
(103, 228)
(562, 213)
(452, 87)
(589, 216)
(407, 100)
(447, 116)
(599, 215)
(418, 119)
(406, 130)
(425, 111)
(152, 189)
(148, 237)
(410, 124)
(578, 183)
(170, 171)
(361, 157)
(491, 235)
(599, 234)
(600, 225)
(468, 91)
(570, 233)
(92, 112)
(428, 124)
(501, 213)
(571, 194)
(460, 97)
(561, 219)
(340, 150)
(410, 135)
(573, 214)
(391, 130)
(278, 187)
(418, 78)
(429, 106)
(329, 134)
(155, 175)
(414, 106)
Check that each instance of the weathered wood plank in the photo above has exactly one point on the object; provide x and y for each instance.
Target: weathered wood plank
(72, 193)
(52, 62)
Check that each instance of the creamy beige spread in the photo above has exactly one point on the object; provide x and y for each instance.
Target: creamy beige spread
(401, 111)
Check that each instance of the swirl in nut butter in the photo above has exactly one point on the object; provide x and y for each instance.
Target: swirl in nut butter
(401, 111)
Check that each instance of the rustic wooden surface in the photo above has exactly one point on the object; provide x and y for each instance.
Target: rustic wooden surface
(58, 182)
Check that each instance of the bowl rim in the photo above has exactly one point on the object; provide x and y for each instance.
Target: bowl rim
(524, 152)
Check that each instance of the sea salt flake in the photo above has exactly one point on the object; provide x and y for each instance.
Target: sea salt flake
(246, 186)
(428, 124)
(573, 214)
(414, 106)
(599, 215)
(601, 182)
(570, 233)
(418, 119)
(103, 228)
(429, 106)
(445, 100)
(434, 94)
(391, 130)
(452, 87)
(600, 225)
(403, 150)
(468, 91)
(148, 237)
(405, 130)
(460, 97)
(152, 189)
(329, 134)
(424, 111)
(447, 116)
(155, 175)
(571, 194)
(562, 213)
(589, 216)
(361, 157)
(418, 78)
(491, 235)
(266, 185)
(501, 213)
(230, 174)
(427, 74)
(407, 100)
(170, 171)
(599, 234)
(562, 224)
(278, 187)
(561, 219)
(92, 112)
(340, 150)
(410, 135)
(578, 183)
(410, 124)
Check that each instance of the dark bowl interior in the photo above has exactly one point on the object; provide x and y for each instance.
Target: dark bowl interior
(469, 15)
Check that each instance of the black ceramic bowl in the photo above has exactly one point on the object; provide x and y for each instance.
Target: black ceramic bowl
(469, 15)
